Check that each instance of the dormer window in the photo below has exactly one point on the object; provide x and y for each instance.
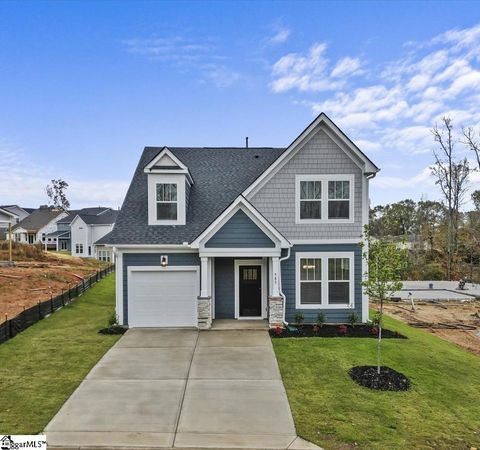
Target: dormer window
(169, 183)
(167, 203)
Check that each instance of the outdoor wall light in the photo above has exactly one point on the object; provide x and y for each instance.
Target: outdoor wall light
(164, 260)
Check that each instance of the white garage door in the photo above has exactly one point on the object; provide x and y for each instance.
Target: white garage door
(162, 298)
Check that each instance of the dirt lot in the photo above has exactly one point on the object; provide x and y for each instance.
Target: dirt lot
(452, 321)
(31, 281)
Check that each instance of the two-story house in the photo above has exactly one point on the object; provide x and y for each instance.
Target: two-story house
(244, 233)
(10, 215)
(83, 227)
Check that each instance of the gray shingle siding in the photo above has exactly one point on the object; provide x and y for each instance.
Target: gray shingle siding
(289, 284)
(224, 288)
(240, 232)
(276, 200)
(152, 259)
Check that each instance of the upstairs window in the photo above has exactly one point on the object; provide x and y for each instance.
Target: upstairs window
(324, 198)
(78, 248)
(167, 203)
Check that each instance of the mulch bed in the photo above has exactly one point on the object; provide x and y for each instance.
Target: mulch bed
(387, 380)
(114, 329)
(361, 331)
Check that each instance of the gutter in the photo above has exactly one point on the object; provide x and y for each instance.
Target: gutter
(280, 282)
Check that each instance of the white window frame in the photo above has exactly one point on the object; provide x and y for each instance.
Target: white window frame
(166, 201)
(324, 179)
(179, 180)
(324, 256)
(77, 246)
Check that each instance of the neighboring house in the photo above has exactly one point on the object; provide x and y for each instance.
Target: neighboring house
(86, 229)
(244, 233)
(11, 215)
(62, 234)
(35, 227)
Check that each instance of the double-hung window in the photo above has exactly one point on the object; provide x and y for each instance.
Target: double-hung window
(324, 198)
(167, 203)
(78, 248)
(324, 280)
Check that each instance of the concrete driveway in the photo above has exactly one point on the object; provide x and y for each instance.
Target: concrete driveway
(178, 388)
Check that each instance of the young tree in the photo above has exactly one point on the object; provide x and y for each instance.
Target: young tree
(56, 194)
(452, 177)
(386, 262)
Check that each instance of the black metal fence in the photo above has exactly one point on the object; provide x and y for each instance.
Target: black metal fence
(11, 327)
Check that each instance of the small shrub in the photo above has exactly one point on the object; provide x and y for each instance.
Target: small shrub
(353, 318)
(54, 276)
(374, 331)
(320, 319)
(112, 320)
(299, 318)
(433, 272)
(278, 331)
(342, 329)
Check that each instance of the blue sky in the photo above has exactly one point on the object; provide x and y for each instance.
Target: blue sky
(84, 86)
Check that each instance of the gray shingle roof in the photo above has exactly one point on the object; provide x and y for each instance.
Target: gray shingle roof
(38, 219)
(90, 211)
(105, 218)
(220, 175)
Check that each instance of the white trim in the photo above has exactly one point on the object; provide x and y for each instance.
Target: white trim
(240, 203)
(325, 241)
(250, 262)
(321, 122)
(324, 179)
(240, 252)
(324, 256)
(183, 169)
(365, 220)
(170, 178)
(119, 285)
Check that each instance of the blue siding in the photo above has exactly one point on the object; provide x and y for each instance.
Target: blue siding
(224, 288)
(289, 280)
(240, 231)
(152, 259)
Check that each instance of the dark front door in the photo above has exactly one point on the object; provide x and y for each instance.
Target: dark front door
(250, 291)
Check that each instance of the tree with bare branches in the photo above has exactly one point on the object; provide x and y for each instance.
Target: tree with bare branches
(473, 142)
(56, 194)
(452, 177)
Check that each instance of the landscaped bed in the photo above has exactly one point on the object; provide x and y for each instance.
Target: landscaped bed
(440, 410)
(41, 367)
(330, 330)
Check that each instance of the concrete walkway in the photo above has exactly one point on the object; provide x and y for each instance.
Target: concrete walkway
(177, 388)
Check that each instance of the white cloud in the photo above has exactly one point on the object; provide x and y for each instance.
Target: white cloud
(310, 72)
(390, 108)
(346, 66)
(201, 57)
(25, 183)
(281, 35)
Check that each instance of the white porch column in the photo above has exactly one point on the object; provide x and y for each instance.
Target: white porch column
(204, 277)
(275, 276)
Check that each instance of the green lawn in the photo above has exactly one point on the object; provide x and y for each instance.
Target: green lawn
(42, 366)
(441, 411)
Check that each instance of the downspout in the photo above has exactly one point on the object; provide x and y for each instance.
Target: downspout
(280, 283)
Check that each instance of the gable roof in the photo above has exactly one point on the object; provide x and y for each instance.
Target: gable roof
(38, 219)
(7, 212)
(323, 122)
(220, 175)
(106, 218)
(88, 211)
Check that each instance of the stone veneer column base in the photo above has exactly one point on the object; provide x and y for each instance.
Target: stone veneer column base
(275, 312)
(204, 313)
